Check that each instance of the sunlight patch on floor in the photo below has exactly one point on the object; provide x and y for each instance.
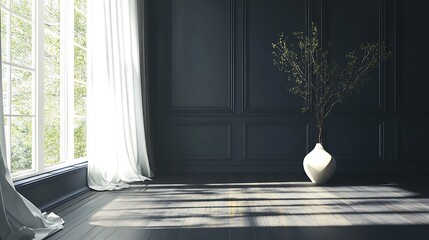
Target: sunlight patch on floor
(280, 204)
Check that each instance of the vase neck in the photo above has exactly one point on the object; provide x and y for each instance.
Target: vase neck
(319, 146)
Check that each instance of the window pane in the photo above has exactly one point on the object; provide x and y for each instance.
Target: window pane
(80, 4)
(52, 16)
(23, 7)
(21, 141)
(7, 134)
(80, 99)
(80, 75)
(79, 137)
(52, 120)
(5, 2)
(80, 120)
(5, 88)
(80, 28)
(52, 54)
(4, 34)
(21, 42)
(21, 92)
(79, 64)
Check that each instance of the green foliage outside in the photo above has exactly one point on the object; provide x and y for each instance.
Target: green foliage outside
(80, 75)
(80, 120)
(3, 36)
(52, 31)
(52, 120)
(21, 143)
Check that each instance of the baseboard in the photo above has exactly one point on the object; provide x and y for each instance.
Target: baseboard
(63, 199)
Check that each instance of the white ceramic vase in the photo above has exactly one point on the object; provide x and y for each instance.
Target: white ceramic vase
(319, 165)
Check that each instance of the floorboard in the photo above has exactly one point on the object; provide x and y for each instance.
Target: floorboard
(249, 207)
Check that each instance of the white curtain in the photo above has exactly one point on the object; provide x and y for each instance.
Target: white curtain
(19, 218)
(116, 147)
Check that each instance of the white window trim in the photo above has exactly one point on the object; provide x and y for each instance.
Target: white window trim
(30, 173)
(68, 89)
(39, 39)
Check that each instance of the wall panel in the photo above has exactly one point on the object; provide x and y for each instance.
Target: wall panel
(411, 56)
(347, 25)
(411, 141)
(201, 51)
(275, 141)
(263, 22)
(358, 141)
(196, 140)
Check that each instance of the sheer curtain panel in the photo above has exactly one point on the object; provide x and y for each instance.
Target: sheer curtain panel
(19, 218)
(116, 146)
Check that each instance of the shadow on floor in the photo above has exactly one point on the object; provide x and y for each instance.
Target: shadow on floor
(381, 232)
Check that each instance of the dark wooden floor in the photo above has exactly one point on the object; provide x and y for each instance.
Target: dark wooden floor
(249, 207)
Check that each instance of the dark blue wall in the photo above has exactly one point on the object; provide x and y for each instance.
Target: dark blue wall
(220, 104)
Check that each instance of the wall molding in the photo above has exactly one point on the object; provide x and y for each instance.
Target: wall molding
(398, 155)
(382, 21)
(398, 62)
(230, 144)
(185, 109)
(63, 199)
(395, 55)
(246, 125)
(245, 68)
(381, 139)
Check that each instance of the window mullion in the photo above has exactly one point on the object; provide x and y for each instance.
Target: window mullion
(9, 59)
(67, 75)
(70, 78)
(40, 92)
(63, 80)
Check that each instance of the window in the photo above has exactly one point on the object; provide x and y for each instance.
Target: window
(43, 56)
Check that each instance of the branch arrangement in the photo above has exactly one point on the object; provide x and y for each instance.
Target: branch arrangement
(313, 76)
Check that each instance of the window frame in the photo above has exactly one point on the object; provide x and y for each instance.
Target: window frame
(67, 79)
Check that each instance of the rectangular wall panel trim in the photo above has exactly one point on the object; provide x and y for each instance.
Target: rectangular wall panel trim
(245, 70)
(409, 145)
(381, 70)
(175, 108)
(267, 127)
(416, 50)
(184, 146)
(362, 128)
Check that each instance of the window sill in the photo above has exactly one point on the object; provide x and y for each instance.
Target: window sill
(32, 173)
(29, 180)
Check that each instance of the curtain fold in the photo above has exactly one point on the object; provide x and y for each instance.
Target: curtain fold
(146, 87)
(116, 148)
(19, 218)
